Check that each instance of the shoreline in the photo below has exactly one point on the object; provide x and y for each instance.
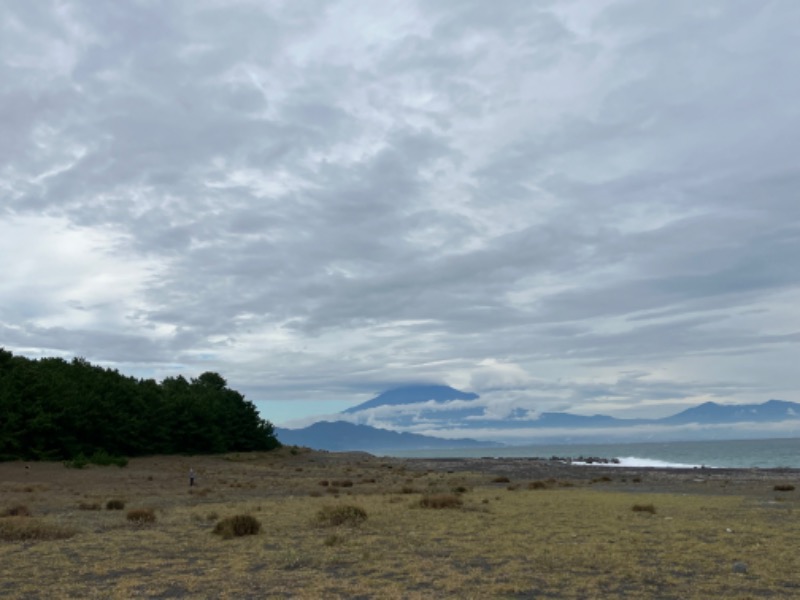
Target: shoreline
(700, 480)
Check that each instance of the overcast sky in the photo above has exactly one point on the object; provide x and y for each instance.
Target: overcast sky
(560, 205)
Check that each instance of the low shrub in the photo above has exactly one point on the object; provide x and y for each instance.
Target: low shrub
(18, 510)
(537, 485)
(501, 479)
(345, 483)
(141, 516)
(89, 506)
(344, 514)
(237, 526)
(333, 540)
(103, 458)
(100, 457)
(324, 483)
(784, 487)
(407, 489)
(18, 530)
(441, 501)
(77, 462)
(648, 508)
(115, 504)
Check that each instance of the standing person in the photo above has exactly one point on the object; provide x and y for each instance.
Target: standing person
(191, 477)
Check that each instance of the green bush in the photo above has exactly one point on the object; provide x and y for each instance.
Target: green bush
(103, 458)
(237, 526)
(100, 457)
(78, 461)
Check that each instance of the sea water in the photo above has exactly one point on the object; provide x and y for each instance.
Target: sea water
(740, 454)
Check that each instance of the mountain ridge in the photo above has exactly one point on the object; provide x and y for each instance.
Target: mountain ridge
(434, 408)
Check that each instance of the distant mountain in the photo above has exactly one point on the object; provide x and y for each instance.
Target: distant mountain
(438, 407)
(413, 394)
(469, 414)
(341, 435)
(560, 419)
(711, 412)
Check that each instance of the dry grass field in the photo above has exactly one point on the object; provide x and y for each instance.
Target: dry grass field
(301, 524)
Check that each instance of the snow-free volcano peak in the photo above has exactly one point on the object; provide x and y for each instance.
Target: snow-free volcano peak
(413, 394)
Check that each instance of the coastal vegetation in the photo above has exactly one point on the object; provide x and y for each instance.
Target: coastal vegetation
(255, 525)
(53, 409)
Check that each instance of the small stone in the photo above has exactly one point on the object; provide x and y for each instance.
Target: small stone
(739, 567)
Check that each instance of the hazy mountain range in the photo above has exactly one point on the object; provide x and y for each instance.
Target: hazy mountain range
(386, 423)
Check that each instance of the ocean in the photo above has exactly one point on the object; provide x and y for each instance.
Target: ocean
(740, 454)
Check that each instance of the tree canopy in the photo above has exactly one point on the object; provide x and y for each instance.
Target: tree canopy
(53, 409)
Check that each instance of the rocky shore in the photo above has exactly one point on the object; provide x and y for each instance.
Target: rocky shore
(608, 473)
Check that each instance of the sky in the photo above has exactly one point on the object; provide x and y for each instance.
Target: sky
(587, 206)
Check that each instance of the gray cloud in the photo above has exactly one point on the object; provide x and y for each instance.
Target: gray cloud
(533, 200)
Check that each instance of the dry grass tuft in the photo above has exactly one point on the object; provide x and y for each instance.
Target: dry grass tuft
(441, 501)
(20, 530)
(18, 510)
(237, 526)
(333, 540)
(344, 514)
(141, 516)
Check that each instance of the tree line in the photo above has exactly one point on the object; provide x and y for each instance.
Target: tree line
(53, 409)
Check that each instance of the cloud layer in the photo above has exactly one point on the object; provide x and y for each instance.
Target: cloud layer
(589, 206)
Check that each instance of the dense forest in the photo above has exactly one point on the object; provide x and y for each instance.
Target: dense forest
(53, 409)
